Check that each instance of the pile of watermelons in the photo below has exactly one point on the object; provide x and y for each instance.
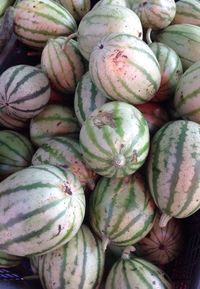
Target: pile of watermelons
(100, 141)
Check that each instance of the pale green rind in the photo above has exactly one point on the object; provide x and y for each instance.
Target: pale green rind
(9, 261)
(121, 210)
(184, 39)
(79, 264)
(187, 96)
(137, 273)
(41, 208)
(115, 139)
(87, 98)
(54, 120)
(78, 8)
(173, 168)
(37, 21)
(104, 20)
(188, 12)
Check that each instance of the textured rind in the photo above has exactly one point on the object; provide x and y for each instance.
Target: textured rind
(124, 68)
(104, 20)
(78, 8)
(137, 273)
(115, 139)
(187, 12)
(24, 91)
(41, 208)
(79, 263)
(187, 95)
(122, 210)
(37, 21)
(173, 168)
(9, 261)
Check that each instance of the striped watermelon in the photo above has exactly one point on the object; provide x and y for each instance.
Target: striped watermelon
(104, 20)
(63, 63)
(53, 121)
(187, 96)
(37, 21)
(16, 152)
(121, 210)
(65, 152)
(135, 273)
(155, 14)
(155, 115)
(9, 261)
(87, 98)
(24, 91)
(41, 208)
(162, 245)
(7, 121)
(184, 39)
(188, 12)
(115, 139)
(79, 264)
(124, 3)
(124, 68)
(173, 169)
(171, 70)
(78, 8)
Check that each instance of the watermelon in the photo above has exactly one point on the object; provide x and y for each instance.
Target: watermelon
(24, 91)
(9, 261)
(87, 98)
(188, 12)
(155, 115)
(36, 21)
(79, 263)
(124, 68)
(115, 139)
(41, 208)
(53, 121)
(124, 3)
(7, 121)
(136, 273)
(155, 14)
(77, 8)
(171, 70)
(187, 95)
(63, 63)
(65, 152)
(184, 39)
(122, 211)
(173, 171)
(16, 152)
(104, 20)
(162, 245)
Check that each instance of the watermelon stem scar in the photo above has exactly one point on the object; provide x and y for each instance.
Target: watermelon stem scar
(66, 189)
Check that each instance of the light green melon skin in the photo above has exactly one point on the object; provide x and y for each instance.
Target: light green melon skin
(16, 152)
(187, 96)
(184, 39)
(34, 263)
(37, 21)
(121, 210)
(79, 263)
(115, 139)
(78, 8)
(188, 12)
(63, 63)
(124, 3)
(173, 168)
(171, 70)
(34, 208)
(124, 68)
(9, 261)
(65, 152)
(104, 20)
(87, 98)
(155, 14)
(137, 273)
(54, 120)
(24, 91)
